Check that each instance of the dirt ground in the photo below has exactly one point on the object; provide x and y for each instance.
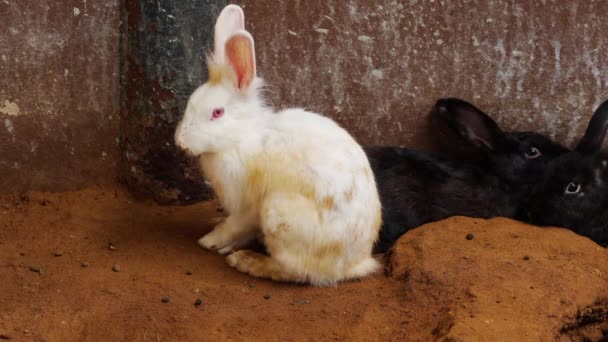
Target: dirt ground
(57, 283)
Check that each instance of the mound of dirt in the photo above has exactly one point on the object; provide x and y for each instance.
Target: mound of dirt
(502, 280)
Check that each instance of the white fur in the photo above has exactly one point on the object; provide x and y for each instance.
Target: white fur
(230, 20)
(295, 176)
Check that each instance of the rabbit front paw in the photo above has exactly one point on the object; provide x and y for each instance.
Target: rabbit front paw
(210, 241)
(228, 237)
(217, 242)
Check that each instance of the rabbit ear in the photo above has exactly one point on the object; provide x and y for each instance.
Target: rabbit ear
(240, 55)
(230, 20)
(596, 131)
(470, 123)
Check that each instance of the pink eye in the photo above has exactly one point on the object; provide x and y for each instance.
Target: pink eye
(217, 113)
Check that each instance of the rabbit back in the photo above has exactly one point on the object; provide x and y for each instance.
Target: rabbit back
(425, 188)
(487, 174)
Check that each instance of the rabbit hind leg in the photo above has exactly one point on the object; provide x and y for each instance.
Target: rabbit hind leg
(296, 238)
(258, 265)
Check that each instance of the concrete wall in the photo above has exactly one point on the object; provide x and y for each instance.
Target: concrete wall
(59, 103)
(375, 66)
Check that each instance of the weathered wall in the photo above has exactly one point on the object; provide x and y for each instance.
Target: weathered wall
(59, 105)
(377, 66)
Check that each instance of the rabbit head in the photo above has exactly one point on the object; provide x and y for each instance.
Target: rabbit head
(574, 191)
(466, 133)
(220, 111)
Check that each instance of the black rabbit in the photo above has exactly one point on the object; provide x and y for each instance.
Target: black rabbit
(490, 174)
(574, 190)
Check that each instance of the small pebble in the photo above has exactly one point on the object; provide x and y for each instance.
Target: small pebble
(165, 299)
(470, 236)
(84, 264)
(267, 296)
(111, 246)
(58, 253)
(526, 257)
(188, 273)
(116, 268)
(35, 269)
(5, 337)
(198, 302)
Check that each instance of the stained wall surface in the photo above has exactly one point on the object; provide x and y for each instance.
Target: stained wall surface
(377, 66)
(374, 66)
(59, 104)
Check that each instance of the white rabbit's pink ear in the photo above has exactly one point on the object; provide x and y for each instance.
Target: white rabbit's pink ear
(240, 55)
(230, 20)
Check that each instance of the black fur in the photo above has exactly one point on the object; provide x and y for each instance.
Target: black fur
(489, 176)
(584, 170)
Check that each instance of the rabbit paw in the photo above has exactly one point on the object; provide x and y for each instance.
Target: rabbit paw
(214, 241)
(221, 241)
(256, 264)
(236, 245)
(241, 260)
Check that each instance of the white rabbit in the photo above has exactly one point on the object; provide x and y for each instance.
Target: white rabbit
(296, 177)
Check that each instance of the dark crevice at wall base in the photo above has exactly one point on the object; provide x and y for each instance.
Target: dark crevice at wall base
(163, 55)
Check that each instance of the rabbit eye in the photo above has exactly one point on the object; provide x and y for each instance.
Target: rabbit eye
(573, 188)
(532, 153)
(217, 113)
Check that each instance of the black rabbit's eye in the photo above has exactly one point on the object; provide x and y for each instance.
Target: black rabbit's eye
(532, 153)
(573, 188)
